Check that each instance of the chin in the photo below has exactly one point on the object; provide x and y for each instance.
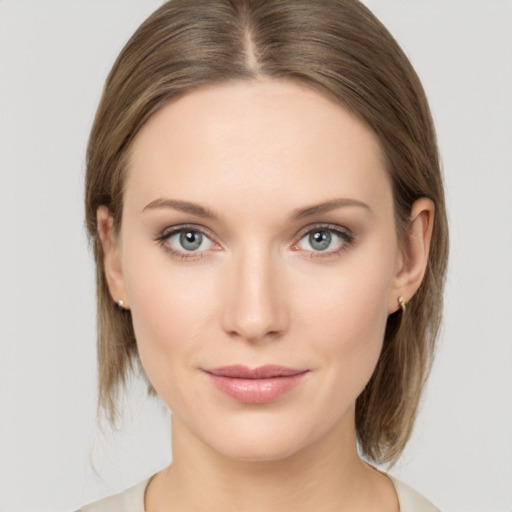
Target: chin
(264, 437)
(259, 448)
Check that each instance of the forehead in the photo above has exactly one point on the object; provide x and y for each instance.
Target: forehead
(256, 140)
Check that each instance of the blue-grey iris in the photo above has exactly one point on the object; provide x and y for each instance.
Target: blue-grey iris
(191, 240)
(320, 240)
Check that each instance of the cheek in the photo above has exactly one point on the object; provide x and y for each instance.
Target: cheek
(337, 317)
(169, 309)
(346, 313)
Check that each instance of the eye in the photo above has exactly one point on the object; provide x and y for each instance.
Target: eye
(185, 241)
(324, 239)
(190, 241)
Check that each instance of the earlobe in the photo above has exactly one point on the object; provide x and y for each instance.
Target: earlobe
(111, 258)
(414, 253)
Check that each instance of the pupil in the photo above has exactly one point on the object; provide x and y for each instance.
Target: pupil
(320, 240)
(191, 240)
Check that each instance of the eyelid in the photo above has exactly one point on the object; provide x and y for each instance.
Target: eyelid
(336, 228)
(163, 235)
(172, 230)
(345, 233)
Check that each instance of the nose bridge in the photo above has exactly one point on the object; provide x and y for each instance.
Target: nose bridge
(255, 308)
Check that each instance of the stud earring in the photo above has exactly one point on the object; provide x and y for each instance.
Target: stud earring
(120, 303)
(402, 303)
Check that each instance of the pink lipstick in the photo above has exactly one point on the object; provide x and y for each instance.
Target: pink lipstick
(255, 385)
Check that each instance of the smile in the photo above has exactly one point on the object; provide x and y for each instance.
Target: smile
(255, 386)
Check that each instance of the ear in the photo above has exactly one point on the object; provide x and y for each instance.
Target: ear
(412, 257)
(111, 258)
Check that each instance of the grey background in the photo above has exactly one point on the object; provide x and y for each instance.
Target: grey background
(54, 57)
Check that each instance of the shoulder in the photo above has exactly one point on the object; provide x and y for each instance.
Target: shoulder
(131, 500)
(411, 500)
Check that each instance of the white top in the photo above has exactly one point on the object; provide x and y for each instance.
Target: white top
(132, 500)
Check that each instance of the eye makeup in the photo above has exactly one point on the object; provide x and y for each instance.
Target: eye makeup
(195, 241)
(324, 240)
(192, 242)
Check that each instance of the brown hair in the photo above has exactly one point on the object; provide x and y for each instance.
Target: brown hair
(334, 46)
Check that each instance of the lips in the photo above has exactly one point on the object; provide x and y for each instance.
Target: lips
(255, 385)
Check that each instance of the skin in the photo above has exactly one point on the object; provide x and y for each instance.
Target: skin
(258, 291)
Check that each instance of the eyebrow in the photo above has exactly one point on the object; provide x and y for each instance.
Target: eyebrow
(183, 206)
(328, 206)
(308, 211)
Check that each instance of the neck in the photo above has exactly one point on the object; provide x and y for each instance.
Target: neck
(325, 475)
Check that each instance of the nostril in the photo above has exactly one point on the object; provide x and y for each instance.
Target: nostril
(269, 325)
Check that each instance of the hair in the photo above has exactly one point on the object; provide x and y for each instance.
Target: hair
(336, 47)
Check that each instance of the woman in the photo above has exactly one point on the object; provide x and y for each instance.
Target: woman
(265, 201)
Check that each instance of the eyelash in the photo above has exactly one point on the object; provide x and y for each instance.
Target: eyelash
(345, 235)
(167, 233)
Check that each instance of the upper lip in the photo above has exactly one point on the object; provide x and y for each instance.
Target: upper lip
(261, 372)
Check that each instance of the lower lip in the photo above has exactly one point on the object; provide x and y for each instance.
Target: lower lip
(256, 391)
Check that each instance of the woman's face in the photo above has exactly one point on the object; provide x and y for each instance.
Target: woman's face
(257, 234)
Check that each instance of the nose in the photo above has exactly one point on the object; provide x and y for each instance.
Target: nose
(255, 307)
